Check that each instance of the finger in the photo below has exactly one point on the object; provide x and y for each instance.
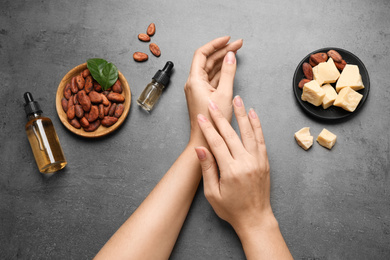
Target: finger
(217, 57)
(200, 56)
(246, 130)
(209, 172)
(226, 131)
(228, 72)
(256, 126)
(215, 80)
(217, 144)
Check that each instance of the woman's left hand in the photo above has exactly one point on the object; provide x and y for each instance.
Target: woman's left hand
(211, 78)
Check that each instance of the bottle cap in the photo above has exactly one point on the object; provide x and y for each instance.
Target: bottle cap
(163, 76)
(31, 106)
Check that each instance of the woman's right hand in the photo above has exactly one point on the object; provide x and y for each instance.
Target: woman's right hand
(241, 195)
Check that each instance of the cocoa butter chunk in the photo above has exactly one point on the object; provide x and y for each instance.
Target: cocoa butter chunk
(326, 72)
(303, 137)
(326, 139)
(313, 93)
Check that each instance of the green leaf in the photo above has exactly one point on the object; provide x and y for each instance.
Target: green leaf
(110, 76)
(105, 73)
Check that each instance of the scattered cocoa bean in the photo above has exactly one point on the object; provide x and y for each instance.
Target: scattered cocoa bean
(144, 37)
(151, 29)
(140, 56)
(154, 49)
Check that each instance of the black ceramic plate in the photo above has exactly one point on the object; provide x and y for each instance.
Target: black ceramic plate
(333, 112)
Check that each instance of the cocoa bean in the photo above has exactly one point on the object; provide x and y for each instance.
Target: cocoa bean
(80, 82)
(95, 97)
(109, 121)
(75, 123)
(88, 84)
(144, 37)
(79, 111)
(115, 97)
(151, 29)
(154, 49)
(140, 56)
(92, 126)
(119, 110)
(93, 114)
(64, 103)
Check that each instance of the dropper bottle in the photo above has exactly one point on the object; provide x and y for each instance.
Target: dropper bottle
(153, 90)
(43, 138)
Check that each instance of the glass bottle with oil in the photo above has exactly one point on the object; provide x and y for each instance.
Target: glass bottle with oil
(153, 90)
(43, 138)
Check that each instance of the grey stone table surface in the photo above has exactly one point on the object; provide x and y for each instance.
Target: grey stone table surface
(330, 204)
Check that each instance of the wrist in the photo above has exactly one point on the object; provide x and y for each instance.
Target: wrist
(197, 138)
(263, 224)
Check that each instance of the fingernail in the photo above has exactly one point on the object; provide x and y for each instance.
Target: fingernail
(202, 118)
(252, 113)
(238, 101)
(200, 153)
(230, 58)
(212, 105)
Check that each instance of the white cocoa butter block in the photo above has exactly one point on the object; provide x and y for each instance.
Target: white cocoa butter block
(326, 139)
(326, 72)
(330, 96)
(303, 137)
(350, 77)
(348, 99)
(313, 93)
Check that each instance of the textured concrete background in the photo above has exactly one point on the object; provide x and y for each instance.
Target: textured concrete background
(330, 204)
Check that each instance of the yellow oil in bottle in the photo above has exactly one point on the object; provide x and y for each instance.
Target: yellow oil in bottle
(43, 138)
(154, 89)
(45, 145)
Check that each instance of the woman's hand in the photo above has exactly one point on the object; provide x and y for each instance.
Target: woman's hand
(211, 78)
(241, 195)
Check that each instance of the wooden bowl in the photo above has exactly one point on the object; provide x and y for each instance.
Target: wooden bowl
(101, 130)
